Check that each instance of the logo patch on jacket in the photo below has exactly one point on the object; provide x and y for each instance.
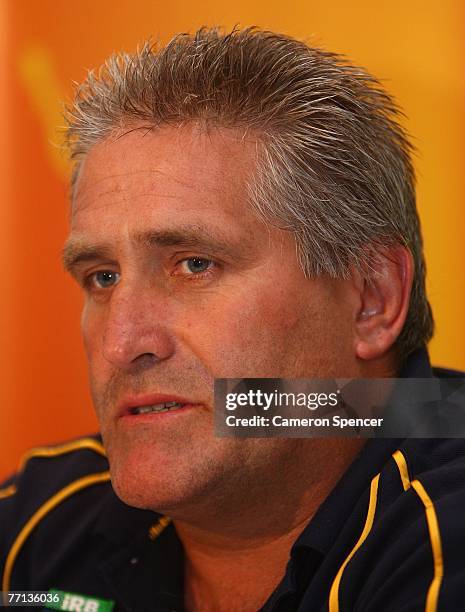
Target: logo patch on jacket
(74, 602)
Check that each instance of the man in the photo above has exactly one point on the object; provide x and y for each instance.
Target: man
(242, 206)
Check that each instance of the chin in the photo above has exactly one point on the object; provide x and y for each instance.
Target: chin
(168, 487)
(146, 493)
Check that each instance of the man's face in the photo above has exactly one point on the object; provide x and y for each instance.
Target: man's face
(183, 283)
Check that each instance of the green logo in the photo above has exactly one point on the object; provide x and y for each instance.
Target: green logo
(59, 600)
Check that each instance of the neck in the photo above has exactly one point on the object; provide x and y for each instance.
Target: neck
(237, 555)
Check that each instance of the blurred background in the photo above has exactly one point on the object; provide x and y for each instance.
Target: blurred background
(416, 48)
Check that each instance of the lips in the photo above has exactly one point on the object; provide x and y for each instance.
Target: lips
(153, 404)
(163, 407)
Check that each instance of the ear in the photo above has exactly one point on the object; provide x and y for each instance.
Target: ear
(384, 302)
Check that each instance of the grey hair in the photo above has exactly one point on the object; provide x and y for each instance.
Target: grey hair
(334, 165)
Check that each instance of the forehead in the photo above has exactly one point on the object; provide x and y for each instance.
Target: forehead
(144, 175)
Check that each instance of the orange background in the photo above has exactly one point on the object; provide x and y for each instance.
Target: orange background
(415, 47)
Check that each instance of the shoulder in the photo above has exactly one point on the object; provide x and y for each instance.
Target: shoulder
(435, 481)
(447, 373)
(414, 555)
(45, 471)
(59, 484)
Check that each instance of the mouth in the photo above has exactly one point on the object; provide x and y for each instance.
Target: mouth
(155, 403)
(157, 408)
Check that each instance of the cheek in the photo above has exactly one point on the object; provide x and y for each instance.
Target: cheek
(89, 331)
(246, 336)
(288, 331)
(91, 326)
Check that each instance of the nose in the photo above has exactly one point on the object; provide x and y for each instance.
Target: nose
(136, 329)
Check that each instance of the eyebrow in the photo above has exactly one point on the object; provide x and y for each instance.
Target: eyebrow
(77, 250)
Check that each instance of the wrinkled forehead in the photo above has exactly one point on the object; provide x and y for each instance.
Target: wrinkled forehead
(188, 158)
(166, 180)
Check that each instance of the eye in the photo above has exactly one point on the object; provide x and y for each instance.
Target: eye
(104, 279)
(195, 265)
